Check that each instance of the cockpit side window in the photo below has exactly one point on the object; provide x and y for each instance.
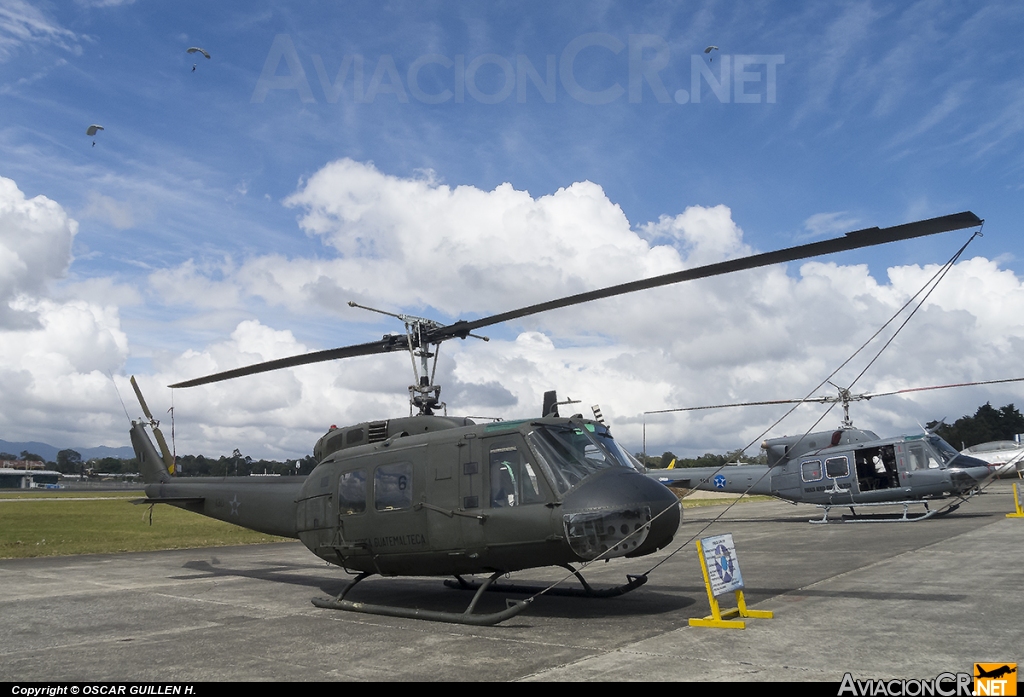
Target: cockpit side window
(920, 457)
(514, 480)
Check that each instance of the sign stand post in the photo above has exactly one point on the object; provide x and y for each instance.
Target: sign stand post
(719, 553)
(1016, 502)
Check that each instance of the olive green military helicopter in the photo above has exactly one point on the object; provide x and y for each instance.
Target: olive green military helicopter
(432, 495)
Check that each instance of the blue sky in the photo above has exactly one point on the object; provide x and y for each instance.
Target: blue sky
(200, 189)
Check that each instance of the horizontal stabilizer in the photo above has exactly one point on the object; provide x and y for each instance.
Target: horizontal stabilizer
(175, 500)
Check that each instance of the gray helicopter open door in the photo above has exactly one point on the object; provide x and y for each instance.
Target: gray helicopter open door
(877, 468)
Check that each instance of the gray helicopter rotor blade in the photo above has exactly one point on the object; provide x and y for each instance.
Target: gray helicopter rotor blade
(738, 404)
(939, 387)
(827, 400)
(868, 237)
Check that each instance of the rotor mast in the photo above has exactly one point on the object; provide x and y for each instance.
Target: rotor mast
(844, 397)
(424, 395)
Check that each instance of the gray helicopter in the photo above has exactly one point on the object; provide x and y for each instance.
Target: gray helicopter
(848, 468)
(432, 495)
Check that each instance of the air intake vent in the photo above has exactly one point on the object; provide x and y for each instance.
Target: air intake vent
(377, 431)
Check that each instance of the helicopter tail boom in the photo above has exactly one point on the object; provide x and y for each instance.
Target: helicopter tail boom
(267, 505)
(732, 479)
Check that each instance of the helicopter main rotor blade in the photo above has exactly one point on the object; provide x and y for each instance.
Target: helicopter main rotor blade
(727, 406)
(940, 387)
(385, 345)
(867, 237)
(838, 400)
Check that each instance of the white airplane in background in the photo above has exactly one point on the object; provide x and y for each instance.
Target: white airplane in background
(1007, 455)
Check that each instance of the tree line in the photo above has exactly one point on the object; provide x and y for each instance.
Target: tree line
(705, 460)
(987, 424)
(70, 462)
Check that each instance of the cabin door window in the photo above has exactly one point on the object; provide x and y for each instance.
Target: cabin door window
(352, 493)
(392, 487)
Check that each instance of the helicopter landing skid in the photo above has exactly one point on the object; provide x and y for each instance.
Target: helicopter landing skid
(513, 607)
(587, 591)
(906, 517)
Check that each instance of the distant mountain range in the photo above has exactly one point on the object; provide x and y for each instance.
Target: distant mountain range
(49, 453)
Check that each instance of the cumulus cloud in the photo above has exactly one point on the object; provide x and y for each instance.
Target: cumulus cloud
(55, 376)
(55, 355)
(444, 246)
(35, 247)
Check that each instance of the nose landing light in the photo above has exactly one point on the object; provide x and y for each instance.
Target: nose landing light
(613, 533)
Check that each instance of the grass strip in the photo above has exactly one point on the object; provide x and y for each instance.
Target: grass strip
(701, 503)
(37, 526)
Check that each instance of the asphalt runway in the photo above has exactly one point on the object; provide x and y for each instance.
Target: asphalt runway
(890, 601)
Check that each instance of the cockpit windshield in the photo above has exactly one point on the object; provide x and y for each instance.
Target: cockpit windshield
(571, 453)
(950, 457)
(946, 451)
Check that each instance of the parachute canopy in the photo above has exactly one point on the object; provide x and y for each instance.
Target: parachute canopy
(196, 49)
(709, 49)
(91, 131)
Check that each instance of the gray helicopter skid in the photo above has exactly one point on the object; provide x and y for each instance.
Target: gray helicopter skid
(879, 602)
(931, 509)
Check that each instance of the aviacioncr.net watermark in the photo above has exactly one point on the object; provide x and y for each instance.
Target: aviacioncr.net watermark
(645, 61)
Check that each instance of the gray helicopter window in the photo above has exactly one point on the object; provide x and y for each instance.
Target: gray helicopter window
(392, 487)
(355, 435)
(569, 454)
(946, 451)
(810, 471)
(919, 457)
(514, 480)
(837, 467)
(352, 492)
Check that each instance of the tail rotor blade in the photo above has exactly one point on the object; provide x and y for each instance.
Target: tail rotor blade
(142, 400)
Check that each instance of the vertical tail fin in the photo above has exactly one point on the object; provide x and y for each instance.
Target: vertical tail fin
(164, 450)
(151, 464)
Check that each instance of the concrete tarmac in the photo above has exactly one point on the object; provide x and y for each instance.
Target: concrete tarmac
(890, 601)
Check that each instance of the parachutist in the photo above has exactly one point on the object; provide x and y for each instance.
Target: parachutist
(193, 67)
